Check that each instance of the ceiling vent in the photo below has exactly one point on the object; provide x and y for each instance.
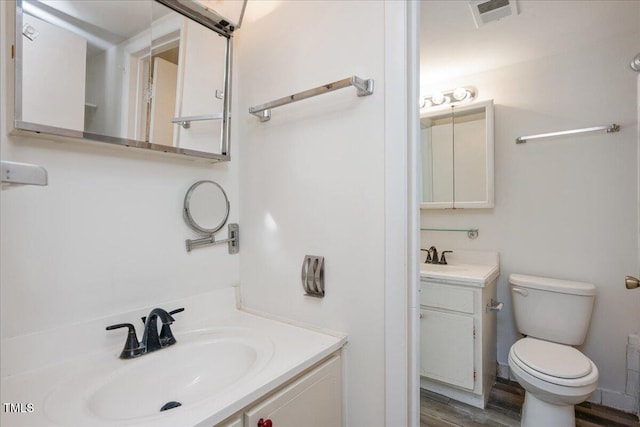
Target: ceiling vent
(485, 11)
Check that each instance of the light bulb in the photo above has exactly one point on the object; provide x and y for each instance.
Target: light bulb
(460, 94)
(438, 98)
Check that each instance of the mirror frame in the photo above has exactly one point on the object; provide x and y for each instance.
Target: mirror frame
(188, 218)
(190, 11)
(489, 202)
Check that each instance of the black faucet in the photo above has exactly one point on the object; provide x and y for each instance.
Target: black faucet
(434, 254)
(151, 340)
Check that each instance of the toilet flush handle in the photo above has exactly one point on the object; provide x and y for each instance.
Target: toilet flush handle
(520, 291)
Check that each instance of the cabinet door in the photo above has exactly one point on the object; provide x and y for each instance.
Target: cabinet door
(447, 348)
(235, 422)
(315, 400)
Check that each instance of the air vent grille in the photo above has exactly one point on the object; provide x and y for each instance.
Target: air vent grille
(485, 11)
(491, 5)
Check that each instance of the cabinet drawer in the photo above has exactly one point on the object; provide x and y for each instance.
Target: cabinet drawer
(447, 297)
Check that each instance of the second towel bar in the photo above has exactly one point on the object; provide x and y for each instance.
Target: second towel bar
(609, 129)
(364, 88)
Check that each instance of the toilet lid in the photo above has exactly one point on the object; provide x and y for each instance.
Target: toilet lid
(556, 360)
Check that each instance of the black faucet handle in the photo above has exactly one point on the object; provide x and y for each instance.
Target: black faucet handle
(166, 336)
(443, 260)
(131, 346)
(121, 325)
(428, 251)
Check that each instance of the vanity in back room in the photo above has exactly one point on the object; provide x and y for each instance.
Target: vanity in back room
(458, 304)
(458, 324)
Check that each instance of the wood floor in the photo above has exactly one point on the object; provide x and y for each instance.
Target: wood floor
(503, 410)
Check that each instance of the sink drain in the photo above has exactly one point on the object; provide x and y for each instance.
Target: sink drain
(170, 405)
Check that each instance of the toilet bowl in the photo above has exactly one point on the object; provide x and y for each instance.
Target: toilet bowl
(554, 315)
(555, 377)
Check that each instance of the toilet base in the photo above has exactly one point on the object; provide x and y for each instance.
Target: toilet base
(536, 413)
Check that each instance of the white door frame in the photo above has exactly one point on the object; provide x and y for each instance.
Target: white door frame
(402, 213)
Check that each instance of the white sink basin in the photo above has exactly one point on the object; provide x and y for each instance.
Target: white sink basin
(471, 267)
(199, 365)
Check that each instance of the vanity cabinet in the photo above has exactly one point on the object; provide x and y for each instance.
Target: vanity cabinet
(314, 399)
(458, 339)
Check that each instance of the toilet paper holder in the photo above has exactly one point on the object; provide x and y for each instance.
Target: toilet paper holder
(313, 276)
(494, 306)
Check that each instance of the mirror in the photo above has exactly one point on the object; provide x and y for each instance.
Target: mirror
(206, 207)
(136, 73)
(457, 157)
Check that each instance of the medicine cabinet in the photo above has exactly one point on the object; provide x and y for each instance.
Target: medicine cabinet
(146, 74)
(457, 148)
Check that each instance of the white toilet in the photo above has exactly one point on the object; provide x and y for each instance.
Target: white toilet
(553, 315)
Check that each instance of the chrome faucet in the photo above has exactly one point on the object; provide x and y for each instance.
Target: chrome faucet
(151, 340)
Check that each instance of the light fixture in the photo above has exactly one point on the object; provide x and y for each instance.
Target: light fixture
(458, 95)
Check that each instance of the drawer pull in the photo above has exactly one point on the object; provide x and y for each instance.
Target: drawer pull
(265, 423)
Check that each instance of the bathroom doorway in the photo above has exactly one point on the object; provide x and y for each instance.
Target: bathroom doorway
(550, 67)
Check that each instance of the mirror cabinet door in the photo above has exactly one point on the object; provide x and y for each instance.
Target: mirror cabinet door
(457, 157)
(131, 73)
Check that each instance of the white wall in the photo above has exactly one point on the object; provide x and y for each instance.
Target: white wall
(106, 235)
(565, 207)
(45, 78)
(313, 178)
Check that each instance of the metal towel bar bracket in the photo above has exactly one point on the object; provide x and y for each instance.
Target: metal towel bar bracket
(609, 129)
(233, 242)
(363, 88)
(185, 122)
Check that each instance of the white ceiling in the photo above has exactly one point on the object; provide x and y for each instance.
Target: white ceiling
(452, 46)
(103, 23)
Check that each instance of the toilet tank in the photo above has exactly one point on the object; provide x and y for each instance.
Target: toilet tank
(551, 309)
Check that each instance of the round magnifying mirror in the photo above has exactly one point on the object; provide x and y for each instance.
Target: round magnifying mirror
(206, 207)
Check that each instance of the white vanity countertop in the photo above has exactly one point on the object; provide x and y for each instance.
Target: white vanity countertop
(471, 268)
(294, 349)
